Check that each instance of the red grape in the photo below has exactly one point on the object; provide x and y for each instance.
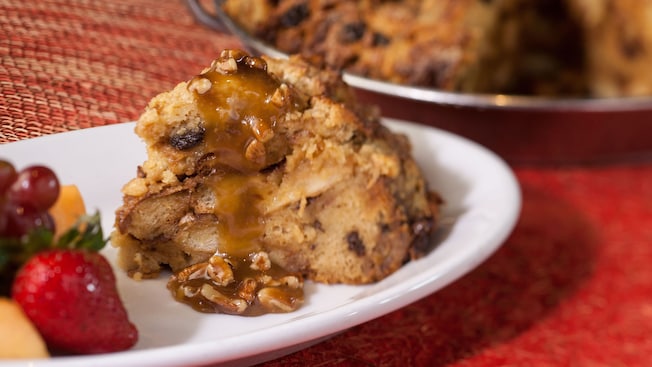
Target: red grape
(7, 175)
(35, 186)
(3, 218)
(25, 198)
(23, 218)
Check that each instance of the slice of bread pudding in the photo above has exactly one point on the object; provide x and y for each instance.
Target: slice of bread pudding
(257, 155)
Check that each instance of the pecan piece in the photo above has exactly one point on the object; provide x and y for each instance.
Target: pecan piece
(227, 305)
(278, 300)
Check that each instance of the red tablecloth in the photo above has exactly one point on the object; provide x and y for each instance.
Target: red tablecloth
(572, 285)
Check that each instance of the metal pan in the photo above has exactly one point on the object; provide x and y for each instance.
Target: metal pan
(521, 129)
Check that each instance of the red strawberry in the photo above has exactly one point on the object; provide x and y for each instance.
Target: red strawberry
(71, 297)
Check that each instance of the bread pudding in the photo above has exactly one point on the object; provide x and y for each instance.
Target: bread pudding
(270, 170)
(591, 48)
(617, 44)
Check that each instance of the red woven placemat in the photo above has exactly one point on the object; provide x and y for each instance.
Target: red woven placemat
(67, 65)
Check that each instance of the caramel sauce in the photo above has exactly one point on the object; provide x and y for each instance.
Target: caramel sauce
(237, 110)
(237, 207)
(240, 107)
(237, 290)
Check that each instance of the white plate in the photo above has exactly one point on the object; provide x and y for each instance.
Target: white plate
(482, 205)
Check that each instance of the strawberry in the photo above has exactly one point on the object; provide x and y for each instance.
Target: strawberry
(71, 297)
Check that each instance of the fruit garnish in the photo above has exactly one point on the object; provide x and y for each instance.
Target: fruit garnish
(85, 234)
(36, 186)
(26, 224)
(50, 264)
(18, 336)
(72, 299)
(8, 175)
(67, 209)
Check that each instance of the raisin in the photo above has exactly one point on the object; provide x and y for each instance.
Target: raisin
(380, 39)
(422, 230)
(352, 32)
(632, 47)
(187, 139)
(355, 243)
(295, 15)
(357, 139)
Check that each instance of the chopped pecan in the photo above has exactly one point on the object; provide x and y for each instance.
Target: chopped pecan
(260, 261)
(250, 285)
(200, 85)
(277, 299)
(228, 305)
(219, 271)
(255, 152)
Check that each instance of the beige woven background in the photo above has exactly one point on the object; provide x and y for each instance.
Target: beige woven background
(67, 65)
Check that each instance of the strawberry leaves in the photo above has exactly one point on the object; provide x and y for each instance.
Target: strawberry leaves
(86, 234)
(15, 251)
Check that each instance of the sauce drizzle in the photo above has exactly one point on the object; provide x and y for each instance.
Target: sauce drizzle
(241, 106)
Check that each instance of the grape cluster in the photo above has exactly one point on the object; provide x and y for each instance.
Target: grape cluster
(25, 197)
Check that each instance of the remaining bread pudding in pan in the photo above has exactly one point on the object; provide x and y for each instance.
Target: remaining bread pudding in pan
(269, 170)
(542, 47)
(617, 45)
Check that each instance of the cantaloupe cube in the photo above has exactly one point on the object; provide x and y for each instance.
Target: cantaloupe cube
(18, 336)
(67, 209)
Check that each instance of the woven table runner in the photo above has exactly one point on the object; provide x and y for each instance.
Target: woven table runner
(67, 65)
